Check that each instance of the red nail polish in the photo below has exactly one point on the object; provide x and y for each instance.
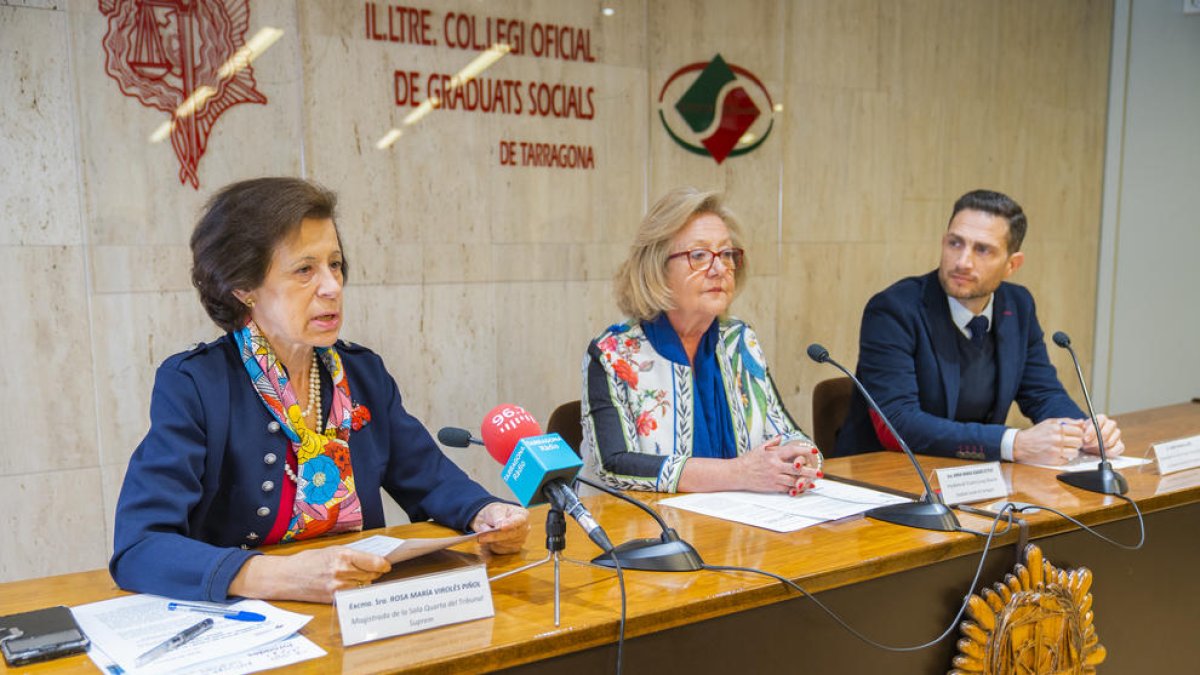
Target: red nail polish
(815, 451)
(792, 492)
(820, 474)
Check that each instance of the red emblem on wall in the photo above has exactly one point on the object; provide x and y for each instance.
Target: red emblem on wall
(182, 57)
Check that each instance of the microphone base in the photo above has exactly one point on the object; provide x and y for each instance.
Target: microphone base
(1103, 480)
(653, 555)
(922, 515)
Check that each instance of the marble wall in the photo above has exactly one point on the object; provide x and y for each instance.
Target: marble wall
(480, 282)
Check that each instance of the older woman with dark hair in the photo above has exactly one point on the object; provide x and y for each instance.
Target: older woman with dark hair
(678, 397)
(278, 431)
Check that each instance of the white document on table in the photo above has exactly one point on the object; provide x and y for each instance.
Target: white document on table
(1088, 462)
(276, 654)
(125, 628)
(397, 550)
(829, 500)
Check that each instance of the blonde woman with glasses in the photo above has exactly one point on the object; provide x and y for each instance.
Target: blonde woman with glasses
(678, 398)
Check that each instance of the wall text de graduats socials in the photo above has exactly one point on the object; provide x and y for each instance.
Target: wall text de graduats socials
(395, 23)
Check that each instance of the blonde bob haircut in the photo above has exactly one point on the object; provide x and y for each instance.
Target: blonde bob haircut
(641, 282)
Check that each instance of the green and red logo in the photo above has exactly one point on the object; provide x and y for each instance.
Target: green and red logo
(716, 109)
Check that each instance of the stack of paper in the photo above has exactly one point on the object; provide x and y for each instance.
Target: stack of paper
(398, 550)
(829, 500)
(125, 628)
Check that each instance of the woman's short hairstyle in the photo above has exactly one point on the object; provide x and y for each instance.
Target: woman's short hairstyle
(641, 282)
(236, 237)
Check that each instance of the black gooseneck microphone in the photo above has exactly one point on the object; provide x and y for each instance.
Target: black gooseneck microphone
(456, 437)
(928, 514)
(1103, 478)
(667, 553)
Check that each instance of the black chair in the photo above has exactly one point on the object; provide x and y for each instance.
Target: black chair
(566, 422)
(830, 404)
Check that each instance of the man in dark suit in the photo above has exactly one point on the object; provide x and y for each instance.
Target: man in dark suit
(946, 354)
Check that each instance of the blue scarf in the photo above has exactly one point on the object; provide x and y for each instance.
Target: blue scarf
(713, 428)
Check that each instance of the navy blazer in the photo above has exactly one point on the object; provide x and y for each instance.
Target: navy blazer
(202, 488)
(908, 360)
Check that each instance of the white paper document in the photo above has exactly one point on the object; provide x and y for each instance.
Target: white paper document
(397, 550)
(276, 654)
(1088, 462)
(829, 500)
(127, 627)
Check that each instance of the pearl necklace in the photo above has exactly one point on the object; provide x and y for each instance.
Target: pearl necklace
(314, 403)
(287, 468)
(314, 392)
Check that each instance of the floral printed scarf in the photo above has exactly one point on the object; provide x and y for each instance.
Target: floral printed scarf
(325, 500)
(712, 428)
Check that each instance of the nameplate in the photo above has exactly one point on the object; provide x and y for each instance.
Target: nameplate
(971, 483)
(409, 605)
(1177, 455)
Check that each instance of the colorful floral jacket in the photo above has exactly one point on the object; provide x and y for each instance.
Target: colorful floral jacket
(637, 405)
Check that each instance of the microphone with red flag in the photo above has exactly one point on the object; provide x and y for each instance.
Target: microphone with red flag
(503, 427)
(538, 467)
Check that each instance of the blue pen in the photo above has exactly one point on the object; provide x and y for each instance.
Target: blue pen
(218, 611)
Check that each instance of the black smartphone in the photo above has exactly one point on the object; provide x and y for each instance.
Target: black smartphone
(40, 635)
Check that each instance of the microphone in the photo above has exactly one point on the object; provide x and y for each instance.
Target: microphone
(503, 427)
(819, 354)
(538, 467)
(564, 499)
(456, 437)
(667, 553)
(1102, 479)
(928, 514)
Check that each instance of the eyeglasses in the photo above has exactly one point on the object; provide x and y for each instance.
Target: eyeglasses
(701, 259)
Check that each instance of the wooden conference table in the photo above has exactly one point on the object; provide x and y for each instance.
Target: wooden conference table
(898, 585)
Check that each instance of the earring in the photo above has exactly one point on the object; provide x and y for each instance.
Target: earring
(250, 303)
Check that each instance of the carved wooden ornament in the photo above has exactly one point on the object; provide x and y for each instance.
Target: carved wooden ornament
(1038, 620)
